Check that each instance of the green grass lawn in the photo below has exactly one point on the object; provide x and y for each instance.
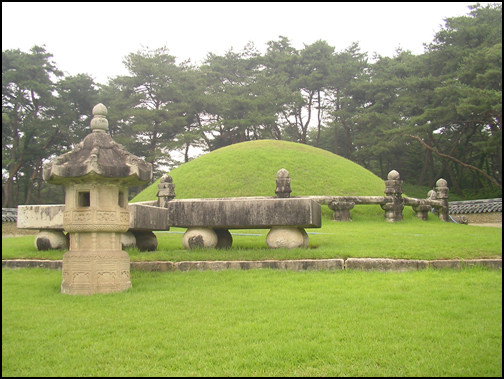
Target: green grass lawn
(368, 235)
(257, 323)
(269, 322)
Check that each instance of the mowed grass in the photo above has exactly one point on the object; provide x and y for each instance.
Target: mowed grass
(269, 322)
(257, 323)
(367, 236)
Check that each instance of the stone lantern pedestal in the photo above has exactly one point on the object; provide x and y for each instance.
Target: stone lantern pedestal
(96, 176)
(95, 262)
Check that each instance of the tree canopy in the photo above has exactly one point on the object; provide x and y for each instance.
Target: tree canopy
(437, 114)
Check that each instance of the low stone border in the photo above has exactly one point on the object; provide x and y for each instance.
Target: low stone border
(383, 264)
(366, 264)
(30, 263)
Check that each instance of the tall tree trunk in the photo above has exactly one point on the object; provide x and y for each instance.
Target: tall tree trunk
(335, 138)
(34, 175)
(186, 152)
(8, 200)
(348, 135)
(458, 161)
(319, 119)
(427, 157)
(304, 127)
(453, 181)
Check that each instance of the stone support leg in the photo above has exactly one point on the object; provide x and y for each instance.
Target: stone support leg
(287, 237)
(199, 238)
(128, 240)
(145, 241)
(224, 239)
(422, 211)
(51, 239)
(341, 210)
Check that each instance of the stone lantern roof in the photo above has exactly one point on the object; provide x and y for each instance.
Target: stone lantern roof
(98, 156)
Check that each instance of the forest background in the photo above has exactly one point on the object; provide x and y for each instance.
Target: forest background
(437, 114)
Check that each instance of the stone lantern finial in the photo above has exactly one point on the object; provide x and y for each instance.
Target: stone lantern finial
(99, 122)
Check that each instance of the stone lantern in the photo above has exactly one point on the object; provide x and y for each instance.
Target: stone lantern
(96, 176)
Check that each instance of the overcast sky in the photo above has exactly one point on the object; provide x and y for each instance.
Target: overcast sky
(94, 38)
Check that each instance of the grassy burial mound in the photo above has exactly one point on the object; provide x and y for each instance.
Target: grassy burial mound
(250, 168)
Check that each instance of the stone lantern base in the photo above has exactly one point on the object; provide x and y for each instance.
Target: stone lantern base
(86, 272)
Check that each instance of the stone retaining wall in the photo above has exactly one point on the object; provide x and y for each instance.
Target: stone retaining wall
(479, 218)
(366, 264)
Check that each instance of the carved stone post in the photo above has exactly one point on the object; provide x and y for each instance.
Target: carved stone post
(432, 195)
(285, 236)
(422, 210)
(442, 194)
(166, 190)
(341, 210)
(283, 188)
(146, 240)
(393, 188)
(96, 176)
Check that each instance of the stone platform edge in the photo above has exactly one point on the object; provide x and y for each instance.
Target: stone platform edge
(365, 264)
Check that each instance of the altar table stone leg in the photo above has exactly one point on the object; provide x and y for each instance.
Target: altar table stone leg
(287, 237)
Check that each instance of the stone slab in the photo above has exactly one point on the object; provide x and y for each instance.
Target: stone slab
(40, 216)
(244, 213)
(237, 213)
(148, 217)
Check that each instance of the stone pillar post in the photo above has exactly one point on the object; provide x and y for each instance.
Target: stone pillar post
(166, 190)
(96, 176)
(283, 188)
(422, 210)
(393, 188)
(442, 194)
(432, 195)
(341, 210)
(285, 236)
